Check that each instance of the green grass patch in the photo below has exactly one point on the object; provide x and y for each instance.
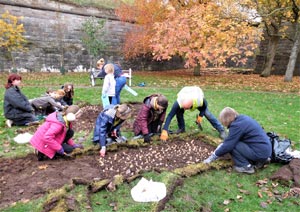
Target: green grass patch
(214, 190)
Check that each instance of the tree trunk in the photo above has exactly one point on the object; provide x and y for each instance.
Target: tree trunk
(197, 70)
(293, 56)
(272, 46)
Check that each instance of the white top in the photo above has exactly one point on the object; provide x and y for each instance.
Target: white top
(109, 85)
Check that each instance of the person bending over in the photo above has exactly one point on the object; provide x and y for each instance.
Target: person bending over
(247, 142)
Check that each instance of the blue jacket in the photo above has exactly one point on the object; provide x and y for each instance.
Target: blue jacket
(105, 124)
(247, 130)
(118, 71)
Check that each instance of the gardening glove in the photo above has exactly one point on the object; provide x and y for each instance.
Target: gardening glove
(164, 135)
(102, 151)
(61, 151)
(78, 146)
(114, 133)
(198, 122)
(147, 138)
(211, 158)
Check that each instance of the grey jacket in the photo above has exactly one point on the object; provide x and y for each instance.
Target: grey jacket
(16, 104)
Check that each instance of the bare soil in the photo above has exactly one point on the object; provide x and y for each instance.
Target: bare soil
(22, 179)
(26, 178)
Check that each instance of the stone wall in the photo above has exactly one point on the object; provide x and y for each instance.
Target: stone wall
(281, 58)
(53, 31)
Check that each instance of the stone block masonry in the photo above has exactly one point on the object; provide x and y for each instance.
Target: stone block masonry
(53, 32)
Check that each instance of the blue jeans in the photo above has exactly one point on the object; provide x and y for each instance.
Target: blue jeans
(120, 83)
(208, 115)
(243, 155)
(213, 120)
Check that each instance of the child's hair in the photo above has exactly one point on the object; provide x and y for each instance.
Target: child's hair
(69, 93)
(11, 78)
(60, 92)
(109, 69)
(49, 90)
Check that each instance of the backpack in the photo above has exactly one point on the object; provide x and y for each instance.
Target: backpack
(279, 147)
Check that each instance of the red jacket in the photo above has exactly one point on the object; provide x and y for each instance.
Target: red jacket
(146, 116)
(50, 135)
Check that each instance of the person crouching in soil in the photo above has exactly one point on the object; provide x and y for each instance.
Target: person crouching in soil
(54, 136)
(151, 116)
(108, 124)
(247, 142)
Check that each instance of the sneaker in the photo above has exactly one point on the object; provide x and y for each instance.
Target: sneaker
(222, 134)
(32, 123)
(138, 137)
(261, 164)
(180, 131)
(121, 139)
(39, 155)
(244, 169)
(9, 123)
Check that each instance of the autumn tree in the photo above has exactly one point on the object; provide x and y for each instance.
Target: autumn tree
(11, 34)
(273, 15)
(207, 33)
(144, 13)
(295, 20)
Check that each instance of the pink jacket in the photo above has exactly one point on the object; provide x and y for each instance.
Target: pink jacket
(50, 135)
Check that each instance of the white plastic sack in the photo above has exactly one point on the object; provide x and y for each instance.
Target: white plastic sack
(23, 138)
(148, 191)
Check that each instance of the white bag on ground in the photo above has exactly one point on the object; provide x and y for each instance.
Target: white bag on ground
(148, 191)
(23, 138)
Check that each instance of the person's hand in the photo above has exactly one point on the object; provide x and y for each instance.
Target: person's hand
(78, 146)
(211, 158)
(61, 151)
(102, 152)
(147, 138)
(114, 133)
(164, 135)
(199, 121)
(104, 96)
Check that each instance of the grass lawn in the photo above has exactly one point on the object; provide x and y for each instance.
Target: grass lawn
(273, 103)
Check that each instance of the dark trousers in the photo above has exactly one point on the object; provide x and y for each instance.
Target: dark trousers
(68, 148)
(155, 126)
(243, 155)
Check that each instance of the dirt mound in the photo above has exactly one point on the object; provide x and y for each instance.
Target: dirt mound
(289, 172)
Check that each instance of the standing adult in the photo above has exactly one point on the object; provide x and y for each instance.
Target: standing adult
(17, 108)
(191, 98)
(151, 116)
(108, 124)
(247, 142)
(120, 80)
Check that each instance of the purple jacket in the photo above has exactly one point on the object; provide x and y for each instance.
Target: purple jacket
(50, 135)
(146, 116)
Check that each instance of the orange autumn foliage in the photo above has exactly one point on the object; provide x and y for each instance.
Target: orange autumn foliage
(202, 32)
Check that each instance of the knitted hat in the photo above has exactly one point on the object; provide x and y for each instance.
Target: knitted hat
(71, 112)
(162, 101)
(123, 111)
(72, 109)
